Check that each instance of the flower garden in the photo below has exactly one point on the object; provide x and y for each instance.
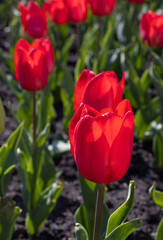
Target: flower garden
(81, 120)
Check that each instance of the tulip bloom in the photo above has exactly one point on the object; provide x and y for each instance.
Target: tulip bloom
(77, 10)
(33, 19)
(151, 29)
(102, 142)
(102, 7)
(63, 11)
(58, 11)
(99, 91)
(136, 1)
(33, 63)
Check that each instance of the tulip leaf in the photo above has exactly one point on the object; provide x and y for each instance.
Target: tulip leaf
(6, 177)
(156, 195)
(122, 212)
(8, 216)
(145, 115)
(8, 158)
(158, 149)
(80, 232)
(124, 230)
(2, 117)
(43, 135)
(48, 199)
(160, 231)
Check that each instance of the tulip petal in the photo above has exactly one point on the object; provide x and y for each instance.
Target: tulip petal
(101, 90)
(81, 112)
(21, 44)
(121, 150)
(83, 80)
(91, 150)
(123, 107)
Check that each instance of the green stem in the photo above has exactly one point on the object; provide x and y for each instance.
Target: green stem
(98, 212)
(34, 119)
(34, 146)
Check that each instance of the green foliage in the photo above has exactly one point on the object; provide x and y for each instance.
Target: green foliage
(8, 158)
(119, 216)
(158, 148)
(8, 216)
(157, 196)
(80, 232)
(124, 230)
(40, 192)
(116, 228)
(160, 231)
(47, 201)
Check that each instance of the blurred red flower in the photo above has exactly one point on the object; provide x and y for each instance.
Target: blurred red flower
(63, 11)
(99, 91)
(33, 63)
(77, 10)
(58, 11)
(33, 19)
(151, 29)
(102, 142)
(102, 7)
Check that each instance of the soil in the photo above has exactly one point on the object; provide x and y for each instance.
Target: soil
(60, 224)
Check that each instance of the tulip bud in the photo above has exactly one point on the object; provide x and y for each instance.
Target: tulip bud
(2, 117)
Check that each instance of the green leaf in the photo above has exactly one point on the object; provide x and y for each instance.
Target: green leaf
(80, 232)
(160, 231)
(6, 177)
(146, 115)
(158, 149)
(8, 216)
(2, 117)
(124, 230)
(157, 196)
(48, 199)
(43, 136)
(67, 81)
(122, 212)
(8, 158)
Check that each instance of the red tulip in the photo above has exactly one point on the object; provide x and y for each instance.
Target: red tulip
(151, 29)
(100, 91)
(33, 63)
(63, 11)
(33, 19)
(77, 10)
(102, 7)
(101, 142)
(136, 1)
(58, 11)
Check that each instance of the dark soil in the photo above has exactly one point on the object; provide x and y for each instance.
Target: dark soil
(60, 225)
